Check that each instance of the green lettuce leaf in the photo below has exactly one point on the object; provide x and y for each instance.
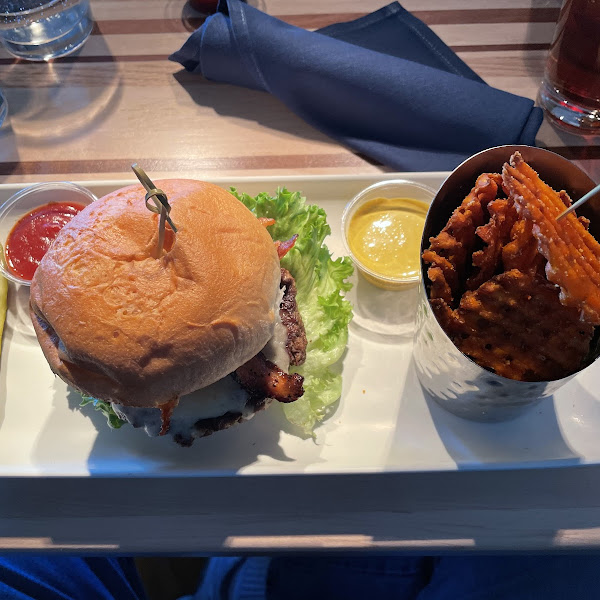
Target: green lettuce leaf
(320, 281)
(111, 416)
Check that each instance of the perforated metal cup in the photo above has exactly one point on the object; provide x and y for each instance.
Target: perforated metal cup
(451, 378)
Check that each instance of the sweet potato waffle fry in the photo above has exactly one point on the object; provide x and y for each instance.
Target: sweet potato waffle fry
(515, 290)
(449, 250)
(572, 253)
(521, 252)
(495, 234)
(515, 325)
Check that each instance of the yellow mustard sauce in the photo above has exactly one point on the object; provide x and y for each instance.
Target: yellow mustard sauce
(384, 234)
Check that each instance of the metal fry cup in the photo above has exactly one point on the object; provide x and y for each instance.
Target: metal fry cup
(452, 379)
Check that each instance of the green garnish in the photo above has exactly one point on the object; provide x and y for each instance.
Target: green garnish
(320, 281)
(105, 407)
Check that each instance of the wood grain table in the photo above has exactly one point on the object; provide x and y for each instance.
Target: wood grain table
(119, 101)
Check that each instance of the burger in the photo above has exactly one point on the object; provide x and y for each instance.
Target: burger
(194, 338)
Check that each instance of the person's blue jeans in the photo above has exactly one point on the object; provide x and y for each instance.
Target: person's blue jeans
(28, 577)
(516, 577)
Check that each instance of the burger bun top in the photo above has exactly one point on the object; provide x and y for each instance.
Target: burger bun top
(125, 326)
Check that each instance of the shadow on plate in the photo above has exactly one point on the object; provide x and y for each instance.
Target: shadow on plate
(18, 323)
(381, 314)
(129, 451)
(3, 373)
(224, 451)
(18, 311)
(578, 406)
(532, 440)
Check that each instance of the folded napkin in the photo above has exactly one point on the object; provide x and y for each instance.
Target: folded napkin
(384, 85)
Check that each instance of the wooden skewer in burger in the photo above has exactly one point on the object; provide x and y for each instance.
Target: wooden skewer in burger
(188, 327)
(161, 206)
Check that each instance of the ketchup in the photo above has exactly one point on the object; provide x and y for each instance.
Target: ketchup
(32, 235)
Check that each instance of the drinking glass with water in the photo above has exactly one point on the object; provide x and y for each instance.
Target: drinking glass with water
(41, 30)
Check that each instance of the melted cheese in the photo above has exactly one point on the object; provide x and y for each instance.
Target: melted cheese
(214, 400)
(275, 350)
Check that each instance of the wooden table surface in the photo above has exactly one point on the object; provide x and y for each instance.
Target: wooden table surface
(121, 101)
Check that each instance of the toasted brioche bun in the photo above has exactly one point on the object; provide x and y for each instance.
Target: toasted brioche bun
(121, 325)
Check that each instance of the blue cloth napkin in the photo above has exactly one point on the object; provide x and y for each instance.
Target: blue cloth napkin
(384, 85)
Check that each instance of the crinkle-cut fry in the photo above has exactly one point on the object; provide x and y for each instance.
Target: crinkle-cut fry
(495, 234)
(522, 251)
(573, 254)
(515, 325)
(449, 250)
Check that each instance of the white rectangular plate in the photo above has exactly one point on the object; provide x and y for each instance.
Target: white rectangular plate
(383, 422)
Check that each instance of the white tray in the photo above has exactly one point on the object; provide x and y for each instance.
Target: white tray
(383, 423)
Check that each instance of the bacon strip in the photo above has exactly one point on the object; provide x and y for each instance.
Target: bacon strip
(263, 379)
(166, 411)
(284, 247)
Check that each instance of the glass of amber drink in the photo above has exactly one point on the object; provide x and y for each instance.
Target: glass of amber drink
(570, 92)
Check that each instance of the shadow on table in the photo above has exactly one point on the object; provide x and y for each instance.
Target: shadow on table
(9, 153)
(58, 101)
(250, 105)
